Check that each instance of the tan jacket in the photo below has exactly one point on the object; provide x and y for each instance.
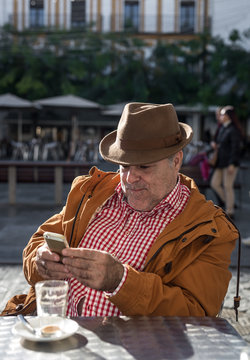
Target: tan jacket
(186, 271)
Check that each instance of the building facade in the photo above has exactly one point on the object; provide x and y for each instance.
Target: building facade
(148, 18)
(169, 18)
(140, 16)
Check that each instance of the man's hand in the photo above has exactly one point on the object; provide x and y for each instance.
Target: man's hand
(49, 265)
(95, 269)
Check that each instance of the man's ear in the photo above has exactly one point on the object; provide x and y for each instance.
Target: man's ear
(178, 160)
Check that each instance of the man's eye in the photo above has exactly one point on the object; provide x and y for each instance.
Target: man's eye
(144, 167)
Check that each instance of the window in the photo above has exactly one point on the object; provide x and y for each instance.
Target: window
(187, 17)
(131, 15)
(36, 13)
(78, 13)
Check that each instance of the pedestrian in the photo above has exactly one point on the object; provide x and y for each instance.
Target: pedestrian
(227, 143)
(144, 240)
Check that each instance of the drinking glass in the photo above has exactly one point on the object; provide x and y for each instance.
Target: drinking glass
(51, 298)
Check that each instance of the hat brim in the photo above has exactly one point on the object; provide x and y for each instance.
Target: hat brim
(112, 153)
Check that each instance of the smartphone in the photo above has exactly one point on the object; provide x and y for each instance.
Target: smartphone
(56, 242)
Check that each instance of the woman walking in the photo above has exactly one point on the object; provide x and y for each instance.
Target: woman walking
(228, 143)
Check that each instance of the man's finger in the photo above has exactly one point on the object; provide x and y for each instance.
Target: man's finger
(80, 263)
(45, 254)
(83, 253)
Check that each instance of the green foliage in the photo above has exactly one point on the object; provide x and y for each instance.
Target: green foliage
(174, 77)
(112, 68)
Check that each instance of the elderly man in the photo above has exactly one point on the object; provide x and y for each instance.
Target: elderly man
(143, 241)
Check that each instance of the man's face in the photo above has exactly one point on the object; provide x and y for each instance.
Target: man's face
(146, 185)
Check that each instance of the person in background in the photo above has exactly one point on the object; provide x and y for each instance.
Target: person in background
(228, 140)
(217, 116)
(144, 240)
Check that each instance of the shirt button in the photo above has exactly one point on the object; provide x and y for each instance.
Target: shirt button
(127, 233)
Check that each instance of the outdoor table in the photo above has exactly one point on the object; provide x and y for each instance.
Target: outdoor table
(139, 338)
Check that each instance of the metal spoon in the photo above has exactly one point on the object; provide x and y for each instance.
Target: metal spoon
(28, 326)
(47, 331)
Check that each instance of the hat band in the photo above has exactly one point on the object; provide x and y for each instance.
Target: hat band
(149, 144)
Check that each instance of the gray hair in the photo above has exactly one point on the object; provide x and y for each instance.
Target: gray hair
(171, 159)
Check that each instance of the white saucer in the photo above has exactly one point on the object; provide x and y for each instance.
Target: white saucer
(68, 326)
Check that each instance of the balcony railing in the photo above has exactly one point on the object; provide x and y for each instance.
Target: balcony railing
(146, 24)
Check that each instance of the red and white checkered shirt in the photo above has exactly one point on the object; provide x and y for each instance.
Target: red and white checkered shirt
(128, 234)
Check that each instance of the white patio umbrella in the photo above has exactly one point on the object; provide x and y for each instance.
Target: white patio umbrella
(12, 102)
(68, 101)
(73, 104)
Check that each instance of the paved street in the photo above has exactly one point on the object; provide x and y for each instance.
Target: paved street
(35, 204)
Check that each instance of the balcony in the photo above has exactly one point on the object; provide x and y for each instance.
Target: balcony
(148, 24)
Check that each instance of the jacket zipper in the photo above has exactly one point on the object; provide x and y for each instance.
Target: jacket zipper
(175, 239)
(74, 222)
(78, 209)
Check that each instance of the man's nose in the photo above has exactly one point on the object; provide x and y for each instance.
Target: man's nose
(132, 175)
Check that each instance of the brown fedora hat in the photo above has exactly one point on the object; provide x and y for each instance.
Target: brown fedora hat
(146, 133)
